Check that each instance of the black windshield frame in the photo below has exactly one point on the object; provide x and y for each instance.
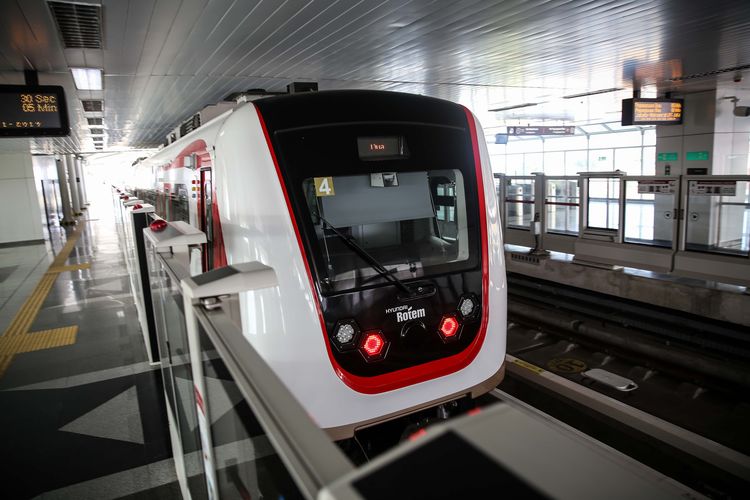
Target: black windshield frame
(331, 150)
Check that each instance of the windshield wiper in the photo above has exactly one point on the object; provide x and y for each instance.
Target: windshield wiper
(371, 261)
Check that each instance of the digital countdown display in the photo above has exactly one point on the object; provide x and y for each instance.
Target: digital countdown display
(647, 111)
(33, 111)
(381, 148)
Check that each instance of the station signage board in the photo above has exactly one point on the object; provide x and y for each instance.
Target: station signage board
(713, 188)
(33, 111)
(671, 156)
(697, 156)
(648, 111)
(561, 130)
(657, 187)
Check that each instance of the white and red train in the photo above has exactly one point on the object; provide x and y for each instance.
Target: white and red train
(377, 211)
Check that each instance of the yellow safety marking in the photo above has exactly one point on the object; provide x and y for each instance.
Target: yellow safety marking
(528, 366)
(36, 341)
(566, 365)
(17, 339)
(73, 267)
(28, 312)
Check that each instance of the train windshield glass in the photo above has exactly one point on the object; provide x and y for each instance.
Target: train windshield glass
(413, 224)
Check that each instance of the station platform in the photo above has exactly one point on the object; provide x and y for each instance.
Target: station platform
(84, 410)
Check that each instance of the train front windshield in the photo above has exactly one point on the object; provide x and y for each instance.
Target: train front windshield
(404, 224)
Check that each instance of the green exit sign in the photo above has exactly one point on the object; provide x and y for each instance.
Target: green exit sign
(667, 156)
(697, 155)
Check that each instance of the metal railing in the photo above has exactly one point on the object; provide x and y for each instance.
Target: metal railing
(207, 361)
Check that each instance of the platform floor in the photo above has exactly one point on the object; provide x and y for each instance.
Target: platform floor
(82, 410)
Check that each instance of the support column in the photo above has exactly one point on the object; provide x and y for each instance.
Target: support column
(79, 182)
(72, 185)
(62, 179)
(83, 182)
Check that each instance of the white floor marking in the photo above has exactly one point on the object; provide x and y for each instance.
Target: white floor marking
(119, 418)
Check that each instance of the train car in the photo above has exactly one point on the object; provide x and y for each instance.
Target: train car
(377, 210)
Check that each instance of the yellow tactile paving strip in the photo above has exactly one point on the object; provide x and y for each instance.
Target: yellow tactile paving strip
(74, 267)
(17, 339)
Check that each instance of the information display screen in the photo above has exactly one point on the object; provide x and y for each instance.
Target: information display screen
(381, 148)
(646, 111)
(32, 111)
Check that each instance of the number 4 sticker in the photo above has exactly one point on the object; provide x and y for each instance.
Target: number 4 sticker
(324, 186)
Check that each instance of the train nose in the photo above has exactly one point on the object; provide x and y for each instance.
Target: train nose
(413, 333)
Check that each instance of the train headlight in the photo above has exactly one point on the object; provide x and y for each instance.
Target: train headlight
(373, 345)
(468, 307)
(345, 334)
(449, 328)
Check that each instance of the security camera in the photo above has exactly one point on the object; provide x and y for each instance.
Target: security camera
(742, 111)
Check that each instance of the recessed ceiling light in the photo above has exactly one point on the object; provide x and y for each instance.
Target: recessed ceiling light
(87, 78)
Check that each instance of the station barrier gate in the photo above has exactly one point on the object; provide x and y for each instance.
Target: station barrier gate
(693, 226)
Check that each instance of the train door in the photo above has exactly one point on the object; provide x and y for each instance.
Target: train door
(206, 216)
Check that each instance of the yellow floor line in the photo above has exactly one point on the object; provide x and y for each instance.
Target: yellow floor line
(73, 267)
(16, 339)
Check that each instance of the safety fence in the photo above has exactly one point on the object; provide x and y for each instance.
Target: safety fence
(687, 225)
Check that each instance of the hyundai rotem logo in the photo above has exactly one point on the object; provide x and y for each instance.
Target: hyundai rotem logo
(406, 313)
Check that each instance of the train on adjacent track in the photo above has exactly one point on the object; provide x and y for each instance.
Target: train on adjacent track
(377, 211)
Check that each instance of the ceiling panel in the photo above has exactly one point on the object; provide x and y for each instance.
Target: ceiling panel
(166, 59)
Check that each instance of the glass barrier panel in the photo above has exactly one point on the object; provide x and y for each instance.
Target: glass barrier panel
(562, 202)
(519, 202)
(649, 213)
(169, 318)
(246, 464)
(603, 204)
(718, 216)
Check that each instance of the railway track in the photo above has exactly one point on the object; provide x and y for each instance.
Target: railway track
(659, 394)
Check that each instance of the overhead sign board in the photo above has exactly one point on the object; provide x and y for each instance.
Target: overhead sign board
(33, 111)
(562, 130)
(647, 111)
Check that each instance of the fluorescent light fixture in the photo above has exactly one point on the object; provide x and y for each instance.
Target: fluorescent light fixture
(593, 92)
(516, 106)
(87, 78)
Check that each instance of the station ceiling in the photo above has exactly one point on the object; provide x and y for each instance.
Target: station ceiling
(164, 60)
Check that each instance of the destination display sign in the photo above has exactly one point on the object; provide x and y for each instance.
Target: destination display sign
(381, 148)
(561, 130)
(646, 111)
(33, 111)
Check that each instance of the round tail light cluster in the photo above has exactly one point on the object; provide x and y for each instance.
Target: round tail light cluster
(450, 325)
(347, 336)
(373, 345)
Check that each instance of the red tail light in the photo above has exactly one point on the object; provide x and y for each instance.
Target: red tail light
(448, 327)
(158, 225)
(373, 345)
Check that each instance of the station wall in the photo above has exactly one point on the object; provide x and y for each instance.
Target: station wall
(20, 219)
